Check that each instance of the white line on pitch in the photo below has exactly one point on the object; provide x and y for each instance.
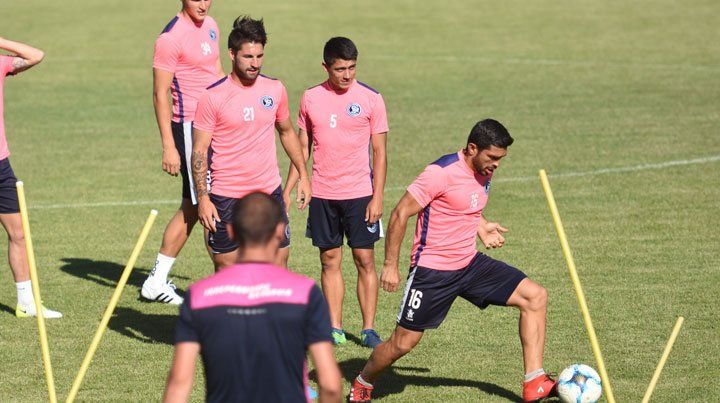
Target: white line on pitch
(632, 168)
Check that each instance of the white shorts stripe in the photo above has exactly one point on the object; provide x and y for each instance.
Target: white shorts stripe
(407, 291)
(187, 137)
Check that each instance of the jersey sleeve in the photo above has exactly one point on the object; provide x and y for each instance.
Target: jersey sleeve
(283, 111)
(378, 118)
(303, 120)
(167, 53)
(429, 185)
(185, 328)
(206, 114)
(317, 318)
(6, 66)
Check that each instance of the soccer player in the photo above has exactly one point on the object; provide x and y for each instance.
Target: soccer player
(21, 58)
(253, 322)
(237, 117)
(344, 117)
(186, 61)
(449, 197)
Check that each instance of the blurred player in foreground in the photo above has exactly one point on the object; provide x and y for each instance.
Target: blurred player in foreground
(186, 61)
(344, 118)
(448, 198)
(253, 322)
(22, 57)
(237, 118)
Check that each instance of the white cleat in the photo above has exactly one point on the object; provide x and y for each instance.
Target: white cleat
(164, 293)
(30, 311)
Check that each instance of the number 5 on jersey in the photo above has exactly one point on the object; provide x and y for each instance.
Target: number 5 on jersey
(333, 121)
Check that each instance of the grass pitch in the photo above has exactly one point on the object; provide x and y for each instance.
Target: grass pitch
(621, 98)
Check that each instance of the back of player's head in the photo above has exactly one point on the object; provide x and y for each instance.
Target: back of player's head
(246, 30)
(489, 132)
(339, 48)
(255, 219)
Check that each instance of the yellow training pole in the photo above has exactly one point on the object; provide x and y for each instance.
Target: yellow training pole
(664, 357)
(36, 292)
(111, 306)
(578, 288)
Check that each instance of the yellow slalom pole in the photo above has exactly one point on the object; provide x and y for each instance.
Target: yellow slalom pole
(664, 358)
(111, 306)
(578, 288)
(36, 292)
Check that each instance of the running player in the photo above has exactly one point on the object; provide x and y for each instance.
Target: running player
(186, 61)
(22, 57)
(344, 117)
(237, 118)
(253, 322)
(448, 197)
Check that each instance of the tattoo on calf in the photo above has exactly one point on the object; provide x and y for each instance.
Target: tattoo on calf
(199, 172)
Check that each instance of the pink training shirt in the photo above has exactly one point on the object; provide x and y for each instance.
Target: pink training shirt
(452, 196)
(242, 123)
(341, 125)
(6, 68)
(191, 54)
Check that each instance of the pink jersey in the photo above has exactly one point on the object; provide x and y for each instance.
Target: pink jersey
(242, 123)
(191, 54)
(453, 197)
(5, 68)
(341, 125)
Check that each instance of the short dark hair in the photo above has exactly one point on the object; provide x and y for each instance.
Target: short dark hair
(255, 218)
(339, 48)
(490, 132)
(245, 30)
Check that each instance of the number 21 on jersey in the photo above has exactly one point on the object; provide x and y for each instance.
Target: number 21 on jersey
(248, 114)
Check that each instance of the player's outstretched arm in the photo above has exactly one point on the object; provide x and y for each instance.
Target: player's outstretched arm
(293, 174)
(406, 207)
(162, 80)
(26, 56)
(291, 144)
(328, 373)
(374, 209)
(207, 213)
(181, 375)
(490, 233)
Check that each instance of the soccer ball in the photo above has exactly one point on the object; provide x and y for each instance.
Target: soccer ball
(579, 383)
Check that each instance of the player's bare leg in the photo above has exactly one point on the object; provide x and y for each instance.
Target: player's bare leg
(179, 228)
(367, 285)
(332, 283)
(531, 298)
(225, 259)
(17, 257)
(281, 259)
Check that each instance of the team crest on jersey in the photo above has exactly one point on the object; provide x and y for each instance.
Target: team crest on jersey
(487, 187)
(373, 228)
(354, 109)
(267, 102)
(213, 35)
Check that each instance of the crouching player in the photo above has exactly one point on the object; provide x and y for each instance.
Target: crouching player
(448, 197)
(253, 322)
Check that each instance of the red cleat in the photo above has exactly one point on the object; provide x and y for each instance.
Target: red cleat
(360, 392)
(539, 388)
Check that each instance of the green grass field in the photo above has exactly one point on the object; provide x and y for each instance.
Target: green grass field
(618, 101)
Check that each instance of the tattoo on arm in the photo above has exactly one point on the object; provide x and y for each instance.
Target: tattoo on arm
(19, 63)
(199, 172)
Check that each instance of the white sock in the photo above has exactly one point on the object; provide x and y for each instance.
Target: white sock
(364, 382)
(163, 264)
(24, 293)
(532, 375)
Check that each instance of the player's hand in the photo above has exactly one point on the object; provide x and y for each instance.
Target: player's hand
(374, 210)
(171, 161)
(390, 277)
(490, 234)
(286, 200)
(207, 214)
(303, 193)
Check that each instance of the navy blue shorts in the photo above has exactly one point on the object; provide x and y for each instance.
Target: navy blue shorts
(328, 220)
(219, 241)
(8, 190)
(429, 293)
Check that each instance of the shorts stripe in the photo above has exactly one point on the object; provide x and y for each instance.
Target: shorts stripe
(423, 234)
(407, 291)
(188, 140)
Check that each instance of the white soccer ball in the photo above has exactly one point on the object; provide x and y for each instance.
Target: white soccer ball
(579, 383)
